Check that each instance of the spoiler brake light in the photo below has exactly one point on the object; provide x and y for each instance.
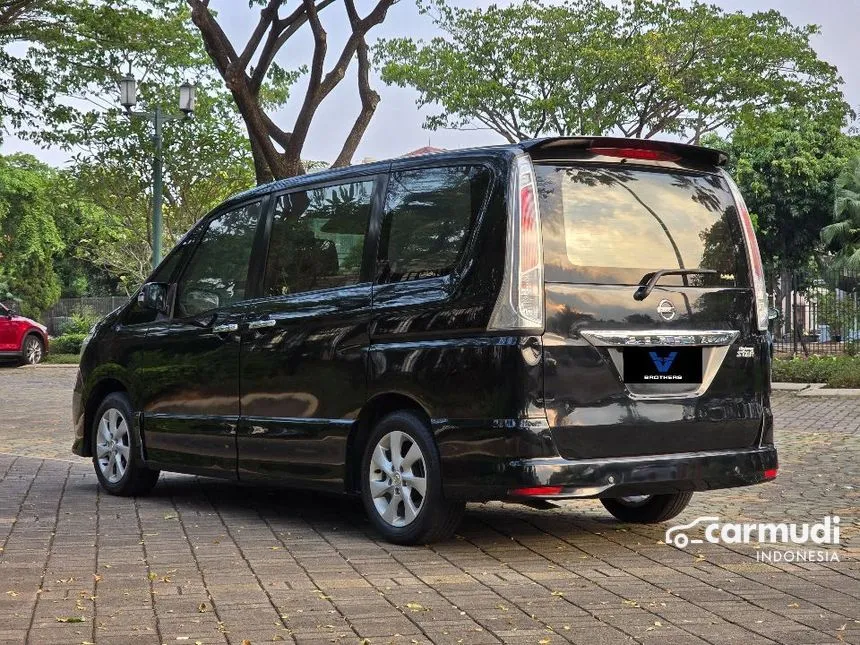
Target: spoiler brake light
(635, 153)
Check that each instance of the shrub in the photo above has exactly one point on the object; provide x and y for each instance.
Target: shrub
(67, 344)
(80, 322)
(852, 348)
(835, 371)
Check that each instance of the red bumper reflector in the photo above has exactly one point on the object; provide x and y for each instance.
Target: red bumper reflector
(770, 473)
(536, 490)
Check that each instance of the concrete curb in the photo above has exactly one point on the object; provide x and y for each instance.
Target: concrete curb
(790, 386)
(44, 366)
(816, 389)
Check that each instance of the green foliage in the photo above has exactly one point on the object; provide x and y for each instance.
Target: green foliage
(835, 371)
(75, 49)
(584, 66)
(839, 313)
(62, 359)
(28, 236)
(80, 322)
(785, 163)
(206, 159)
(67, 344)
(852, 348)
(843, 235)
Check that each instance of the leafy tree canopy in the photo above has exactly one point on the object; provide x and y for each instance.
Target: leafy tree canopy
(642, 67)
(786, 163)
(60, 59)
(206, 159)
(843, 235)
(28, 236)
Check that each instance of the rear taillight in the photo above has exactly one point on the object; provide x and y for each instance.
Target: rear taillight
(753, 256)
(520, 303)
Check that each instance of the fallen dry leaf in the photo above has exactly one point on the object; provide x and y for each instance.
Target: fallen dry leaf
(202, 608)
(71, 619)
(414, 606)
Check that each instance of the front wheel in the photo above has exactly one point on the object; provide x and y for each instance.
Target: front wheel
(116, 451)
(401, 483)
(33, 350)
(647, 509)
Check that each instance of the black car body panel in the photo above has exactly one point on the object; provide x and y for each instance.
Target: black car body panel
(285, 387)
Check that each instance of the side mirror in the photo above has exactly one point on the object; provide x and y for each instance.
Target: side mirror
(153, 295)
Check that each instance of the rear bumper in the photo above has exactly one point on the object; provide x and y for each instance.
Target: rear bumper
(616, 477)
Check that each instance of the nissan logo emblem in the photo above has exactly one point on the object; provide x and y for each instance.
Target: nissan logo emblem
(666, 309)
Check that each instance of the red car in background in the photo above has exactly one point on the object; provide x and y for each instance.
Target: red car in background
(21, 338)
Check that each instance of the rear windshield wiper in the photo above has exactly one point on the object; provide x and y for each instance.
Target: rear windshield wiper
(650, 280)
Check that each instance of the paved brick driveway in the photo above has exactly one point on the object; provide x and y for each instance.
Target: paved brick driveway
(206, 561)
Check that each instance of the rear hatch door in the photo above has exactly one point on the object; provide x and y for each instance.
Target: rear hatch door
(639, 362)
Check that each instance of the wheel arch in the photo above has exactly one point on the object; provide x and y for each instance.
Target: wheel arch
(96, 395)
(37, 333)
(377, 407)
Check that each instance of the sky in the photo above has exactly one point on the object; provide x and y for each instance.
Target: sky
(396, 125)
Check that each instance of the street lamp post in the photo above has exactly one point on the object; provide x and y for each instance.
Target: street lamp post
(128, 99)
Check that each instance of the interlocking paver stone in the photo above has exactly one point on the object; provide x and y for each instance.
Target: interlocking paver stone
(209, 561)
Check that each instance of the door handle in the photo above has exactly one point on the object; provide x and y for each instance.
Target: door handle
(225, 329)
(261, 324)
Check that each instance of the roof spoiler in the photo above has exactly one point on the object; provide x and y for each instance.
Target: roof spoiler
(551, 146)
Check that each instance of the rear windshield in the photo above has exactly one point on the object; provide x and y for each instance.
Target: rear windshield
(614, 224)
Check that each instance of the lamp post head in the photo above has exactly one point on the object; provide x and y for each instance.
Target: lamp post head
(187, 98)
(128, 91)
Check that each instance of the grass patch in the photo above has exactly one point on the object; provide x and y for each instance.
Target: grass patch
(62, 359)
(835, 371)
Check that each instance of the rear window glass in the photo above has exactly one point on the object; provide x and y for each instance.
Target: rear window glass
(613, 225)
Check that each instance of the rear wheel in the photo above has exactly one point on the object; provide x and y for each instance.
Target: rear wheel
(647, 509)
(33, 350)
(401, 483)
(115, 449)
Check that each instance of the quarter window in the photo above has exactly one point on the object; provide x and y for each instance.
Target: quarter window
(317, 239)
(428, 215)
(217, 274)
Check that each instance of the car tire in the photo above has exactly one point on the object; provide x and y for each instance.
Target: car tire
(402, 493)
(651, 510)
(32, 350)
(116, 451)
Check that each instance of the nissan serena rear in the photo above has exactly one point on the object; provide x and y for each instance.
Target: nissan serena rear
(558, 319)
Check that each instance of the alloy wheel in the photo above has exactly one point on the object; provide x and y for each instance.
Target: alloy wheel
(398, 478)
(32, 351)
(113, 445)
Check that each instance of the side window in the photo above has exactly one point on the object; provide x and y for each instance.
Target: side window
(217, 274)
(317, 239)
(428, 215)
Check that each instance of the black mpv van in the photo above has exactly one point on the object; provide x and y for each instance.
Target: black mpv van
(561, 318)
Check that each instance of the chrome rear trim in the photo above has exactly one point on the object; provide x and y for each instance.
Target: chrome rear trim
(663, 338)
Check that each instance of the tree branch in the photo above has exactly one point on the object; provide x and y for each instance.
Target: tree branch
(267, 16)
(369, 101)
